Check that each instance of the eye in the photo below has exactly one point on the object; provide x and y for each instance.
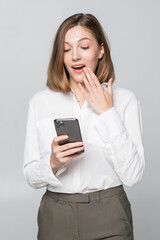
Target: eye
(85, 47)
(66, 50)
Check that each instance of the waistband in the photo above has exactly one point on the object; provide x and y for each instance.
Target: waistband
(85, 197)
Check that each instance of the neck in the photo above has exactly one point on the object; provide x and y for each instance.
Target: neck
(75, 87)
(77, 91)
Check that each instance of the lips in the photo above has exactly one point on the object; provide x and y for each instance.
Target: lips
(78, 66)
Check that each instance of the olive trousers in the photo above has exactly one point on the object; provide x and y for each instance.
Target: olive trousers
(104, 214)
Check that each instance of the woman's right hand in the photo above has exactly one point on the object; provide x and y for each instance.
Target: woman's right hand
(60, 154)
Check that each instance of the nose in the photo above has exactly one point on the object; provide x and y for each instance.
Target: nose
(75, 54)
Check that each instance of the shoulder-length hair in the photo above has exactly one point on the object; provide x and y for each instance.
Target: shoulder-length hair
(58, 77)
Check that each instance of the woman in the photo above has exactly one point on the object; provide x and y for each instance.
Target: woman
(85, 198)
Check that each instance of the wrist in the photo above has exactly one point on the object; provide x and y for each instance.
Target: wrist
(105, 110)
(53, 166)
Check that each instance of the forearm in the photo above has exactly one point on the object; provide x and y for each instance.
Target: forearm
(128, 160)
(39, 173)
(124, 140)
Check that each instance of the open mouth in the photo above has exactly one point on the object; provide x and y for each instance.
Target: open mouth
(78, 67)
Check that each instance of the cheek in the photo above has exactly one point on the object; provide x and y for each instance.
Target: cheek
(91, 58)
(65, 60)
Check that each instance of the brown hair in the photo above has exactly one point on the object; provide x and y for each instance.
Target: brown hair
(57, 74)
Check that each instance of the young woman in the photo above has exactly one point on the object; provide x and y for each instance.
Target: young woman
(84, 196)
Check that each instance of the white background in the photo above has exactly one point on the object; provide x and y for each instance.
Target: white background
(27, 29)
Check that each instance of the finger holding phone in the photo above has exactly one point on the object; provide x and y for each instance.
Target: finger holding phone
(60, 154)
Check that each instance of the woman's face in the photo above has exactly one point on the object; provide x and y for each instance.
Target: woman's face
(80, 49)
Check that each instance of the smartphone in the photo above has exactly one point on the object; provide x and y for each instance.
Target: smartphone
(70, 127)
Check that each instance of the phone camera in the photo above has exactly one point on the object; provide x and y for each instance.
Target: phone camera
(61, 124)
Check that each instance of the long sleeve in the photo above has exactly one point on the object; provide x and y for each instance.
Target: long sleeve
(36, 165)
(124, 139)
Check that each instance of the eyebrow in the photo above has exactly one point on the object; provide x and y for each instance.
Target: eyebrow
(85, 38)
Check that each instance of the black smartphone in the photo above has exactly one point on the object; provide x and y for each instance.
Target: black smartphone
(70, 127)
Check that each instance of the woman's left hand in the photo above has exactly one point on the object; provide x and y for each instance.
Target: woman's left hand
(98, 98)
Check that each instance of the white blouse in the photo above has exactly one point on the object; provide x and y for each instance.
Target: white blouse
(114, 153)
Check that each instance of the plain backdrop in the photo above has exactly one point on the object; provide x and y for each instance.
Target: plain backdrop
(27, 29)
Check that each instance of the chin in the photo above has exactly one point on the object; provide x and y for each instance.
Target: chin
(78, 80)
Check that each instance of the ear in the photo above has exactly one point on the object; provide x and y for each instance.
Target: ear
(101, 51)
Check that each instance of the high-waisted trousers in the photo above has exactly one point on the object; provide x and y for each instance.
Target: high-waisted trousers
(105, 214)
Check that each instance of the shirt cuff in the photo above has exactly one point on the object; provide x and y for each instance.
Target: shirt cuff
(60, 170)
(46, 172)
(109, 124)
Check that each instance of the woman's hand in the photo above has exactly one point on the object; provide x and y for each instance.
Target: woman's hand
(60, 154)
(98, 98)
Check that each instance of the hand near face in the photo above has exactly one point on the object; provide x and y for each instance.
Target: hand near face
(98, 98)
